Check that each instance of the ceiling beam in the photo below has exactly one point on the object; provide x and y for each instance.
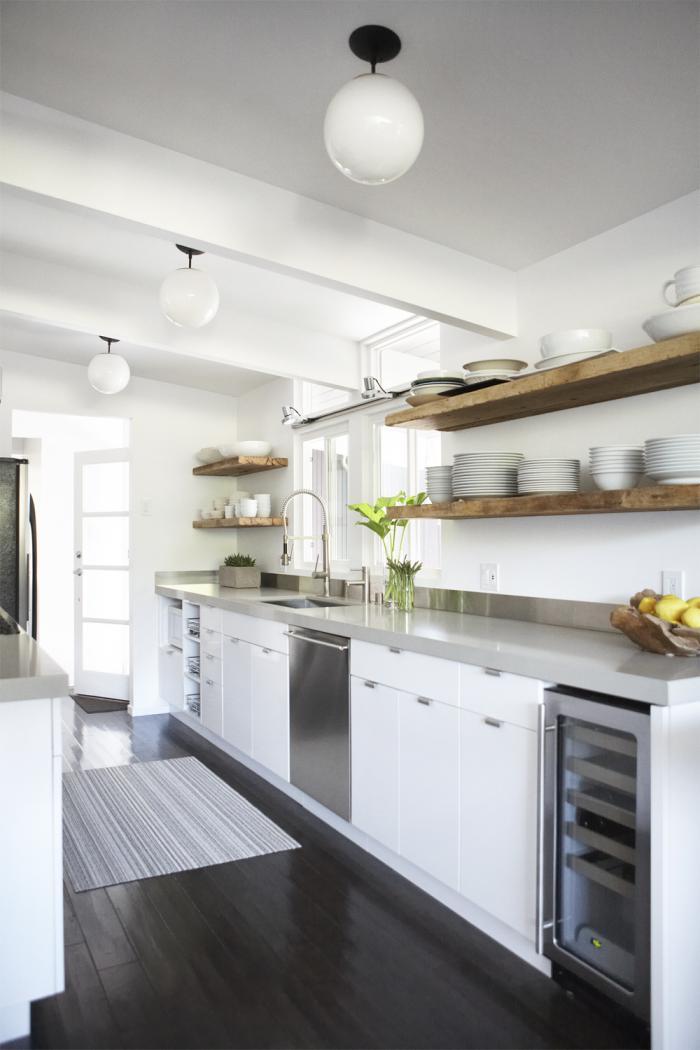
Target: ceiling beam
(77, 164)
(65, 297)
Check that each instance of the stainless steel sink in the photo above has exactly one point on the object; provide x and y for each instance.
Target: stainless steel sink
(304, 603)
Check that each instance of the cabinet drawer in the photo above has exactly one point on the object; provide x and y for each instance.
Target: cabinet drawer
(211, 698)
(500, 695)
(265, 633)
(210, 641)
(210, 668)
(410, 672)
(210, 617)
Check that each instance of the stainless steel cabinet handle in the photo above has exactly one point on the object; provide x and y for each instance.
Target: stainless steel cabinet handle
(393, 650)
(317, 641)
(209, 630)
(266, 651)
(424, 700)
(369, 685)
(492, 671)
(546, 816)
(77, 572)
(493, 722)
(209, 681)
(209, 656)
(234, 641)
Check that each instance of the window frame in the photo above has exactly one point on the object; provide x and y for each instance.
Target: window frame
(327, 431)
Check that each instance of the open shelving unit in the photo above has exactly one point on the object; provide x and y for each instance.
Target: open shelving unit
(661, 366)
(239, 466)
(238, 523)
(619, 501)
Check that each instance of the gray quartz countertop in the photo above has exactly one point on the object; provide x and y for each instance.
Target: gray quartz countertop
(26, 671)
(596, 660)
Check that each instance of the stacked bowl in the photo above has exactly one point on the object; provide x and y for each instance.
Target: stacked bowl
(478, 474)
(674, 460)
(539, 476)
(492, 370)
(617, 466)
(572, 345)
(438, 484)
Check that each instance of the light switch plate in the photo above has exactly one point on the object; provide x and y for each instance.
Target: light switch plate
(489, 576)
(673, 581)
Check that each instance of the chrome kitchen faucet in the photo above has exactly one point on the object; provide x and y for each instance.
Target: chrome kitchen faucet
(286, 559)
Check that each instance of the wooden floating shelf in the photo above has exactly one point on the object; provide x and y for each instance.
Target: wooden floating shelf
(237, 523)
(672, 363)
(619, 501)
(238, 466)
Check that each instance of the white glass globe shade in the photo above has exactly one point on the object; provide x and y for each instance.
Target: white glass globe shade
(108, 373)
(373, 129)
(189, 297)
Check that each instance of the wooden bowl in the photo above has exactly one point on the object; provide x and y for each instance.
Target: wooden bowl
(651, 633)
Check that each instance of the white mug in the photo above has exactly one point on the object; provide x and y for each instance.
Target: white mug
(687, 285)
(249, 508)
(229, 511)
(264, 502)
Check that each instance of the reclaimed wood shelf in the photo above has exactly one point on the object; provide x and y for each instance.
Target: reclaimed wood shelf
(237, 523)
(618, 501)
(671, 363)
(238, 466)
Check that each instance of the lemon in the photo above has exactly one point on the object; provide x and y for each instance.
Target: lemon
(693, 602)
(691, 616)
(647, 604)
(670, 608)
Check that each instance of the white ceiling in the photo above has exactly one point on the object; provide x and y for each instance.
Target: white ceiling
(85, 242)
(547, 121)
(26, 336)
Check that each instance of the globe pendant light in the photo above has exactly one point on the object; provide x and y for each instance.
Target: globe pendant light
(108, 373)
(189, 297)
(374, 126)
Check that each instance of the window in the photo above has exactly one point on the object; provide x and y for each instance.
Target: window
(315, 398)
(324, 469)
(401, 457)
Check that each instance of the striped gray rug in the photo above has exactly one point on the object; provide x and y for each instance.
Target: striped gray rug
(154, 818)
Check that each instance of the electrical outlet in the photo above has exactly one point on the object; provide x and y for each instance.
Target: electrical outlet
(673, 581)
(147, 507)
(489, 576)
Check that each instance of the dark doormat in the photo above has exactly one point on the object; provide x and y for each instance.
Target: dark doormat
(95, 705)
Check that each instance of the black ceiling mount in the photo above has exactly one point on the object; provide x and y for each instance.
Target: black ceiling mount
(108, 341)
(189, 252)
(374, 44)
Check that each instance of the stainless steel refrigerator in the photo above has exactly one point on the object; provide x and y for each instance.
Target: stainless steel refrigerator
(18, 549)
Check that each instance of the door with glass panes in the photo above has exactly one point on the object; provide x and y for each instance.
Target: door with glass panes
(101, 573)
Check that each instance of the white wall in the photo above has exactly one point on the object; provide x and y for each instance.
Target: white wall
(611, 281)
(168, 424)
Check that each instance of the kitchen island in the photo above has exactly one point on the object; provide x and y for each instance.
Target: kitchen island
(31, 874)
(447, 743)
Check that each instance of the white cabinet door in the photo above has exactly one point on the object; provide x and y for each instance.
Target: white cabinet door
(499, 819)
(237, 729)
(211, 706)
(429, 786)
(374, 725)
(270, 703)
(170, 679)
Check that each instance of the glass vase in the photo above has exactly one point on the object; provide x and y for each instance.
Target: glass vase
(399, 589)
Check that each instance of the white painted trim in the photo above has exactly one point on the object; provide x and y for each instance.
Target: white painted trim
(505, 936)
(15, 1021)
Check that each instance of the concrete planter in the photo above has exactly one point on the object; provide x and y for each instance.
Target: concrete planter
(238, 576)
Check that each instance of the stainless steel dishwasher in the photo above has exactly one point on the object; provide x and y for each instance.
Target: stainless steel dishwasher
(319, 717)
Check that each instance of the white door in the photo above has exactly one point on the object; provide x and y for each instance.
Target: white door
(375, 760)
(270, 702)
(429, 786)
(102, 617)
(499, 819)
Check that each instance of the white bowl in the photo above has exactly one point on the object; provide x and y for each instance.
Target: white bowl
(495, 364)
(252, 448)
(616, 479)
(207, 455)
(678, 321)
(575, 341)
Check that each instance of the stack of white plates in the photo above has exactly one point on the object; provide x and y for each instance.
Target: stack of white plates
(438, 484)
(617, 466)
(674, 460)
(498, 369)
(548, 475)
(429, 386)
(485, 474)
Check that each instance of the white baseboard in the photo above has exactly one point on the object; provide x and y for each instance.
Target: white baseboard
(509, 938)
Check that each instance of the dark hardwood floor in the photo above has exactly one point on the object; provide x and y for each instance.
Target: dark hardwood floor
(317, 947)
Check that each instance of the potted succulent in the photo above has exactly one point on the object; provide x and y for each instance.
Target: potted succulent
(401, 572)
(238, 571)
